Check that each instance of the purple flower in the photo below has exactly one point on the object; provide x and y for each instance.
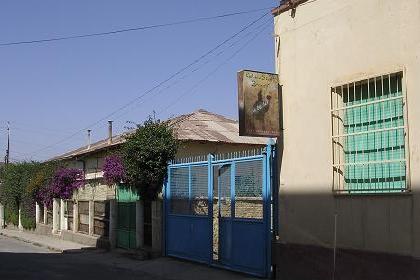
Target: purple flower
(64, 182)
(113, 169)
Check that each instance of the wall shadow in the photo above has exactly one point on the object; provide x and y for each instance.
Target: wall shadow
(374, 235)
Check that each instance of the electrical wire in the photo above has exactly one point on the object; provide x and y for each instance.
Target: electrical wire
(191, 90)
(163, 90)
(156, 86)
(131, 29)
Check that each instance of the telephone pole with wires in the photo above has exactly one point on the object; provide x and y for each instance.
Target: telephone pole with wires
(7, 157)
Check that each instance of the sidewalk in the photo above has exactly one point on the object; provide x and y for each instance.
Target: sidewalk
(110, 265)
(49, 242)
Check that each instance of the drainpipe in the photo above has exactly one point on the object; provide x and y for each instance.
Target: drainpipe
(109, 132)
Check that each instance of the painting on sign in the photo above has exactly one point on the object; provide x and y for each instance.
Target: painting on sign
(258, 95)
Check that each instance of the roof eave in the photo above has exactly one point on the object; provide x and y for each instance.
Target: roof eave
(286, 5)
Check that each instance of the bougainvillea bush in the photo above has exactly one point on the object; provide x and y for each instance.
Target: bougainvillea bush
(65, 182)
(40, 182)
(62, 184)
(113, 169)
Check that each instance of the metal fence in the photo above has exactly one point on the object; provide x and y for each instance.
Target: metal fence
(218, 211)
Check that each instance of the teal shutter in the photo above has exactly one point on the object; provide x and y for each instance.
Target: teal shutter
(374, 145)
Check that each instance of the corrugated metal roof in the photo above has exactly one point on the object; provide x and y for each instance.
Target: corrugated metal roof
(201, 125)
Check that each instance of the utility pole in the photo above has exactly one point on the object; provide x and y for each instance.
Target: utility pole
(6, 159)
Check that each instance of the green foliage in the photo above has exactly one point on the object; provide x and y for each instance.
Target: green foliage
(11, 214)
(41, 179)
(146, 154)
(28, 222)
(15, 179)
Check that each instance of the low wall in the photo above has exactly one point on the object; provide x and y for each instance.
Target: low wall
(89, 240)
(43, 229)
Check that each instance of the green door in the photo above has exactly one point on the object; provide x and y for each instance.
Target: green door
(126, 223)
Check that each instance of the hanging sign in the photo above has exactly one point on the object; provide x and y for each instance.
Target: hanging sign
(258, 100)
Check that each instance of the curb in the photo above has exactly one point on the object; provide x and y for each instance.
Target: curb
(34, 243)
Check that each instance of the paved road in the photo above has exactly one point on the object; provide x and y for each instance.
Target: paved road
(10, 245)
(20, 260)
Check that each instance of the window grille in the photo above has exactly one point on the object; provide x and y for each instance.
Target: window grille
(369, 136)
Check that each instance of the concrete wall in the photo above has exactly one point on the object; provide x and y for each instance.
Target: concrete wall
(328, 43)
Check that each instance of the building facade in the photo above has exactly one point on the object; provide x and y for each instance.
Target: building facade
(109, 216)
(349, 186)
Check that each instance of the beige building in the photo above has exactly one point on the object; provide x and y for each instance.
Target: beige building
(91, 216)
(200, 132)
(350, 77)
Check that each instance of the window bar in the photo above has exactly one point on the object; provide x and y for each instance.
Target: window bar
(332, 140)
(383, 166)
(398, 144)
(366, 103)
(375, 121)
(367, 136)
(406, 132)
(390, 134)
(364, 132)
(371, 162)
(338, 146)
(363, 137)
(353, 129)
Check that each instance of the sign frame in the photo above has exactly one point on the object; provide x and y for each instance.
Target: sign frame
(256, 92)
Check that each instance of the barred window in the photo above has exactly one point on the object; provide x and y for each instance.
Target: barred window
(369, 136)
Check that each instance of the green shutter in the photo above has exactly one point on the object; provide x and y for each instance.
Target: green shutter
(374, 157)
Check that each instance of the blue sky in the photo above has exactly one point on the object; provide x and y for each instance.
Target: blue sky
(49, 91)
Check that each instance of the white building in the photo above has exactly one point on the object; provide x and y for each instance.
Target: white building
(349, 176)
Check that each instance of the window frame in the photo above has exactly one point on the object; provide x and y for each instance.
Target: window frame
(338, 185)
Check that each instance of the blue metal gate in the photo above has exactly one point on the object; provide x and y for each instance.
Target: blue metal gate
(218, 211)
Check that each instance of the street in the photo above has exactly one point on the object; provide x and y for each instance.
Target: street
(21, 260)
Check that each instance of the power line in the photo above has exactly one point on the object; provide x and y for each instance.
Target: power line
(158, 85)
(191, 90)
(192, 71)
(117, 31)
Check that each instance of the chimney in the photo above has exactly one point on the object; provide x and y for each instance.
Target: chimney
(88, 138)
(109, 132)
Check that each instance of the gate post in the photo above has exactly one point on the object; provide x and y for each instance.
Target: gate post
(157, 226)
(76, 216)
(63, 220)
(210, 158)
(1, 216)
(91, 217)
(56, 216)
(45, 218)
(37, 214)
(20, 226)
(166, 208)
(113, 223)
(267, 201)
(139, 223)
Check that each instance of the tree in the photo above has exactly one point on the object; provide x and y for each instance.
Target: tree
(146, 154)
(15, 179)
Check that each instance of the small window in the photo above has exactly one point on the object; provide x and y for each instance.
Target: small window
(369, 136)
